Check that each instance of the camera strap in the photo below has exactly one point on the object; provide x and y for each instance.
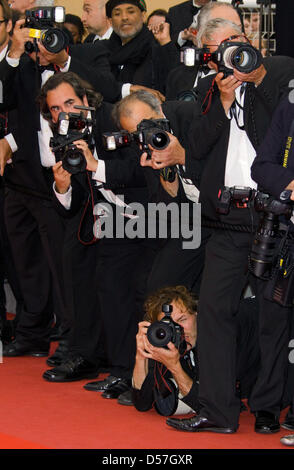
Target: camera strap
(93, 215)
(288, 145)
(208, 98)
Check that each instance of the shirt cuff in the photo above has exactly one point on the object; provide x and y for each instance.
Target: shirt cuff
(67, 65)
(100, 174)
(12, 62)
(64, 199)
(181, 41)
(11, 142)
(126, 89)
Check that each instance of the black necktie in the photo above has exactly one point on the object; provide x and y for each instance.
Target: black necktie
(205, 69)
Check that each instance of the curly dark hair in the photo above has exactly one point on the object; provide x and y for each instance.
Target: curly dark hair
(80, 86)
(166, 295)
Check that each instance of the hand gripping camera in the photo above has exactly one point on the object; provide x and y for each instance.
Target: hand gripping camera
(72, 127)
(160, 333)
(229, 55)
(152, 132)
(264, 245)
(149, 132)
(41, 21)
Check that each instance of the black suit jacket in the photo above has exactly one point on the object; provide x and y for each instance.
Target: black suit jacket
(180, 17)
(180, 114)
(22, 85)
(180, 79)
(269, 169)
(210, 132)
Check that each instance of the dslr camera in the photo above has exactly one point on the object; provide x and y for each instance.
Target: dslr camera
(229, 55)
(264, 245)
(149, 132)
(236, 196)
(72, 127)
(152, 132)
(41, 21)
(161, 332)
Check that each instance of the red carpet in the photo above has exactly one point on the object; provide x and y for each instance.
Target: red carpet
(36, 414)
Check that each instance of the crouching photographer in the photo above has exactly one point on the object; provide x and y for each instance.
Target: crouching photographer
(166, 372)
(273, 169)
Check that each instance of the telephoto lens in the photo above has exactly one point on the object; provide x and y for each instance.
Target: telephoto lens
(242, 57)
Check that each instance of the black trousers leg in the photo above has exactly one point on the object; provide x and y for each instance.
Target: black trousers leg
(223, 280)
(81, 292)
(36, 233)
(274, 329)
(119, 264)
(174, 265)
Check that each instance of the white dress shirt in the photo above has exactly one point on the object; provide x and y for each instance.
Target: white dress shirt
(241, 153)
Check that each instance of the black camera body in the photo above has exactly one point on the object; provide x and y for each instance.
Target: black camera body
(72, 127)
(264, 245)
(161, 332)
(152, 132)
(41, 21)
(149, 132)
(230, 55)
(237, 196)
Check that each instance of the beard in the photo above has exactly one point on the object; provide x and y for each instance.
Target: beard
(130, 33)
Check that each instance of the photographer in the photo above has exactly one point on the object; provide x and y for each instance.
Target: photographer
(104, 277)
(237, 108)
(158, 365)
(28, 183)
(273, 170)
(178, 360)
(173, 263)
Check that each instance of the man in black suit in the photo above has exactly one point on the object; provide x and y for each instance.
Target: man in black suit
(132, 47)
(183, 79)
(29, 193)
(7, 269)
(103, 276)
(181, 17)
(273, 170)
(95, 20)
(173, 263)
(227, 139)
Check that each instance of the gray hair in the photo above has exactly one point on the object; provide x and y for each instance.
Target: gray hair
(124, 106)
(205, 12)
(214, 25)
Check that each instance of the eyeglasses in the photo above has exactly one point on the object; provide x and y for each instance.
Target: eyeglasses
(2, 21)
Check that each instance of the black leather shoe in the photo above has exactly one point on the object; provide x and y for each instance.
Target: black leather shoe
(266, 422)
(60, 354)
(197, 424)
(117, 389)
(126, 398)
(75, 368)
(15, 349)
(288, 423)
(101, 385)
